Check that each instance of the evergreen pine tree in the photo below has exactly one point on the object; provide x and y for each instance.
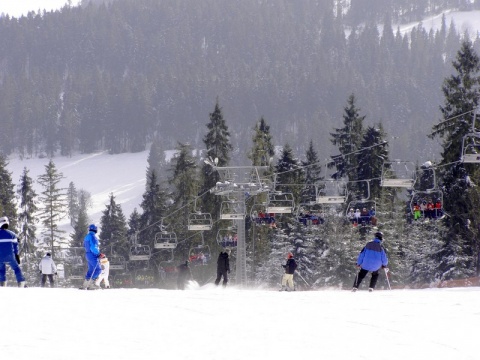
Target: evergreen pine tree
(462, 96)
(54, 205)
(134, 225)
(263, 149)
(312, 169)
(371, 159)
(289, 173)
(7, 194)
(217, 143)
(348, 140)
(185, 187)
(154, 206)
(113, 225)
(72, 200)
(80, 227)
(26, 217)
(156, 158)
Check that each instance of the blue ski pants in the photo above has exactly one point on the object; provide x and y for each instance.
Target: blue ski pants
(94, 268)
(10, 260)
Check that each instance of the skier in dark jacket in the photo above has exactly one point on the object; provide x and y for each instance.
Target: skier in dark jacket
(223, 267)
(9, 254)
(184, 274)
(287, 280)
(371, 259)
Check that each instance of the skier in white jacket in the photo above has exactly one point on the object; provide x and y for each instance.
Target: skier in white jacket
(47, 269)
(105, 265)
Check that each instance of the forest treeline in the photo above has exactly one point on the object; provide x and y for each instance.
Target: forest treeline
(423, 249)
(110, 95)
(116, 75)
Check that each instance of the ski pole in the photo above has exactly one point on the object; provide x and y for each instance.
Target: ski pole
(356, 279)
(301, 277)
(95, 268)
(386, 275)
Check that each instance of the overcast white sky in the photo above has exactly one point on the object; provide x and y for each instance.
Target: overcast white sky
(17, 8)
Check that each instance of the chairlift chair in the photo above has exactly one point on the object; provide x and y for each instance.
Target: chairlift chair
(200, 221)
(165, 240)
(61, 271)
(332, 192)
(227, 237)
(425, 179)
(140, 253)
(471, 148)
(76, 272)
(280, 203)
(117, 262)
(199, 255)
(420, 201)
(398, 174)
(368, 212)
(122, 280)
(144, 278)
(232, 210)
(310, 214)
(260, 216)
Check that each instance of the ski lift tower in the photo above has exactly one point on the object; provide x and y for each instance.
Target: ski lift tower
(238, 183)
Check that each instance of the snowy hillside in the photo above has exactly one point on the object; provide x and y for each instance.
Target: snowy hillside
(100, 174)
(463, 20)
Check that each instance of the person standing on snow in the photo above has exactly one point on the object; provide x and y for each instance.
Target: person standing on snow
(223, 267)
(184, 274)
(371, 259)
(9, 254)
(105, 266)
(290, 267)
(47, 269)
(92, 255)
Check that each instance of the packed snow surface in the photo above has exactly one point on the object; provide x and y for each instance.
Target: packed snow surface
(215, 323)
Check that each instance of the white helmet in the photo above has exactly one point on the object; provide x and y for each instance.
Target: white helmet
(3, 221)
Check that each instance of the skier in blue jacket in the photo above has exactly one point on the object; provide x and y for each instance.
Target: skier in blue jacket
(92, 254)
(371, 259)
(9, 254)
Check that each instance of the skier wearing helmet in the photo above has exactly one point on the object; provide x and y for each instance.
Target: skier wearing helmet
(9, 254)
(287, 279)
(92, 255)
(371, 259)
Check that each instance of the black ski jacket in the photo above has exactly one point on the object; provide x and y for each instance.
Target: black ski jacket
(223, 263)
(290, 266)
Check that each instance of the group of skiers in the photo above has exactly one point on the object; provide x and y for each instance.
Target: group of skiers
(371, 259)
(98, 264)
